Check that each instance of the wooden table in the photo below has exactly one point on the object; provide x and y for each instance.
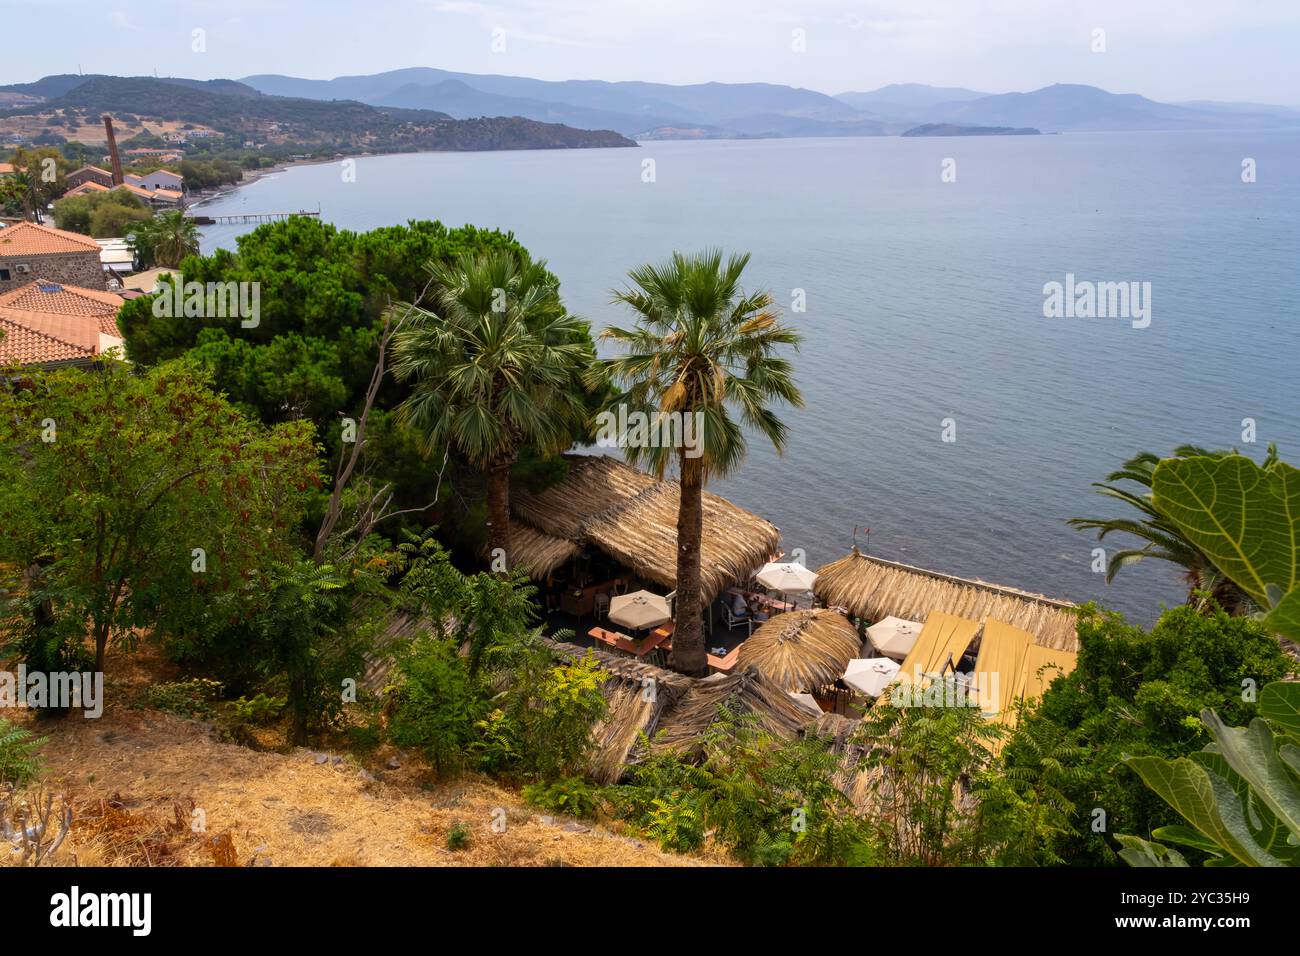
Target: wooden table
(633, 646)
(753, 598)
(728, 663)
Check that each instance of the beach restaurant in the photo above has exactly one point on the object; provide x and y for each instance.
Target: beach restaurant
(608, 531)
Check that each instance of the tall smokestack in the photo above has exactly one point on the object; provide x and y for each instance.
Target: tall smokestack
(118, 178)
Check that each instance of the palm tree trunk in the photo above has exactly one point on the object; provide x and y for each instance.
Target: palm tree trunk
(688, 656)
(498, 516)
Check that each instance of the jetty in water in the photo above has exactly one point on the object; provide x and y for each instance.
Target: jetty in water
(202, 220)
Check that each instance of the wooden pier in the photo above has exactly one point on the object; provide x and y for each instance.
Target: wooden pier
(202, 220)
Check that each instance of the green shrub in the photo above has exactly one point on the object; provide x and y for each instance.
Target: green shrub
(457, 836)
(574, 796)
(1141, 694)
(20, 763)
(187, 698)
(437, 702)
(542, 731)
(260, 710)
(676, 823)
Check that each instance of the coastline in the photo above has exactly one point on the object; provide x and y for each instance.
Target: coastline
(254, 175)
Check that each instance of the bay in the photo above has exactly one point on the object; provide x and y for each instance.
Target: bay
(924, 305)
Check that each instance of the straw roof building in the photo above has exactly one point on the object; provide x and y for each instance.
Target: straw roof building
(632, 517)
(801, 650)
(873, 588)
(675, 711)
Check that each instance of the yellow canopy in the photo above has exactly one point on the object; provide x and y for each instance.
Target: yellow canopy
(940, 645)
(1000, 666)
(1051, 663)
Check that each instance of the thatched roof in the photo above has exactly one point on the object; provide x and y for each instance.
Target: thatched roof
(538, 553)
(674, 711)
(632, 517)
(637, 695)
(801, 650)
(874, 588)
(683, 726)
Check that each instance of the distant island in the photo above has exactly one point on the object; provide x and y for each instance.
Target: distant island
(953, 129)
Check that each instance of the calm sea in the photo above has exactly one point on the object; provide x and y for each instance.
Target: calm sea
(924, 307)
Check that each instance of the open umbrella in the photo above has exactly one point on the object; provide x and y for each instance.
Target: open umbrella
(788, 578)
(870, 675)
(639, 610)
(808, 701)
(893, 637)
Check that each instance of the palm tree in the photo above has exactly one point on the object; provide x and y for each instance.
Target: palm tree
(1160, 538)
(703, 347)
(167, 239)
(497, 364)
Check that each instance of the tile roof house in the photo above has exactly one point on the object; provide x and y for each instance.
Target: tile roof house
(28, 250)
(90, 174)
(49, 324)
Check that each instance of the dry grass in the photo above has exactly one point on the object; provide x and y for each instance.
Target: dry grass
(135, 777)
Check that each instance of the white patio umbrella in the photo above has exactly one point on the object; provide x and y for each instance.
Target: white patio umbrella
(639, 610)
(786, 577)
(808, 701)
(871, 675)
(893, 637)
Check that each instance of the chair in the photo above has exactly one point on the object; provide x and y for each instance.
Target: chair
(735, 620)
(602, 605)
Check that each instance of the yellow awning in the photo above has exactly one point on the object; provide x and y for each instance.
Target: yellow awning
(1000, 666)
(940, 645)
(1051, 663)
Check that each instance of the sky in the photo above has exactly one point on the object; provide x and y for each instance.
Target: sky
(1169, 50)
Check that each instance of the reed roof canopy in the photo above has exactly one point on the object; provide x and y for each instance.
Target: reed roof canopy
(873, 588)
(632, 517)
(801, 650)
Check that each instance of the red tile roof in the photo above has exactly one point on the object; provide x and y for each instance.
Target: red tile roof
(29, 347)
(29, 239)
(48, 322)
(89, 186)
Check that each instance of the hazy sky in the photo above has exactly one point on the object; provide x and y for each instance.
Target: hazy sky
(1166, 49)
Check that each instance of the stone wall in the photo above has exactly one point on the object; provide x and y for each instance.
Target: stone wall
(77, 268)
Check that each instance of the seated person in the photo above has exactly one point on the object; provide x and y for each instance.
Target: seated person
(739, 607)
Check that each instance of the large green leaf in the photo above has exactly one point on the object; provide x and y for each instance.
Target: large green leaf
(1245, 519)
(1279, 704)
(1252, 754)
(1140, 852)
(1206, 801)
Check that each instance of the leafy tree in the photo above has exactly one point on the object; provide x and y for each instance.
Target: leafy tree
(701, 346)
(167, 239)
(323, 294)
(102, 215)
(1139, 693)
(437, 702)
(1241, 793)
(919, 769)
(1160, 537)
(303, 622)
(1246, 519)
(142, 495)
(495, 365)
(20, 760)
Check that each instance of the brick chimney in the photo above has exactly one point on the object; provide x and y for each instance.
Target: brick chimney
(118, 178)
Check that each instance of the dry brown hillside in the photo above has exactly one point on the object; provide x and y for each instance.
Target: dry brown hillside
(136, 777)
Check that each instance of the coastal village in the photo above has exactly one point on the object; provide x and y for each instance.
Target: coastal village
(616, 657)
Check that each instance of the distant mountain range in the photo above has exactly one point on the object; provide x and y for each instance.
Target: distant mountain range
(415, 109)
(243, 113)
(704, 110)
